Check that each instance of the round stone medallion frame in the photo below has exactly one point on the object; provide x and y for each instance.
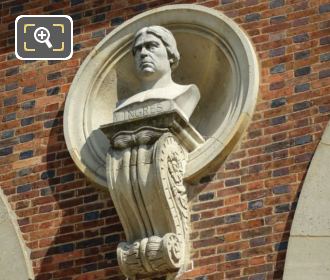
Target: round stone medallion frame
(216, 55)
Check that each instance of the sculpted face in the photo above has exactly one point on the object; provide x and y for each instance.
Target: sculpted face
(151, 58)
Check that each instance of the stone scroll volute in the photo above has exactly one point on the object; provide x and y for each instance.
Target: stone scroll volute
(146, 185)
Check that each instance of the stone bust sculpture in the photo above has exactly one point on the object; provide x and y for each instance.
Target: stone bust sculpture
(156, 55)
(150, 139)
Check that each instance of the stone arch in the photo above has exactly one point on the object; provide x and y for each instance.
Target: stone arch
(308, 255)
(14, 260)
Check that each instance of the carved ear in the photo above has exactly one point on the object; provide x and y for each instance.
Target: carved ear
(171, 60)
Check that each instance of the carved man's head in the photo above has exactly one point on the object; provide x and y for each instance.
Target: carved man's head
(155, 51)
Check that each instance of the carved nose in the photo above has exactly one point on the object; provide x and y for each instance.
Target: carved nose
(143, 52)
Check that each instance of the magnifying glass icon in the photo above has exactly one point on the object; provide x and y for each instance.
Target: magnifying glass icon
(41, 35)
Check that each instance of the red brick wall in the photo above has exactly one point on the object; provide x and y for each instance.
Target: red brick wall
(241, 216)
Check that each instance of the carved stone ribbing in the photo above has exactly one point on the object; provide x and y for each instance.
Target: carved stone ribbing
(146, 184)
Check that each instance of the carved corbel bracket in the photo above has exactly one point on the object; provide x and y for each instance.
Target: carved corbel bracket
(145, 169)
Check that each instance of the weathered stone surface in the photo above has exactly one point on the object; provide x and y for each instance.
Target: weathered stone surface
(146, 185)
(181, 98)
(149, 142)
(14, 260)
(307, 258)
(111, 72)
(173, 120)
(312, 218)
(309, 244)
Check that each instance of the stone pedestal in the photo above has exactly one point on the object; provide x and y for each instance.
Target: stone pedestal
(145, 170)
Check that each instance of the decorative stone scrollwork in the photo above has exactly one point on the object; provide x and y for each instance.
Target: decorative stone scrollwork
(151, 255)
(146, 184)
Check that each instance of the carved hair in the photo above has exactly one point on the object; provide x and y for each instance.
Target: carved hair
(167, 39)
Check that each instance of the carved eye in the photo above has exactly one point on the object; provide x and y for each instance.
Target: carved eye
(152, 46)
(137, 49)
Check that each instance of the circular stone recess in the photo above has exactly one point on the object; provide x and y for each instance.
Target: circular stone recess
(216, 55)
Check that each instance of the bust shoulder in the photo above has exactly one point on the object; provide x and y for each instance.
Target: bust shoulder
(184, 97)
(170, 92)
